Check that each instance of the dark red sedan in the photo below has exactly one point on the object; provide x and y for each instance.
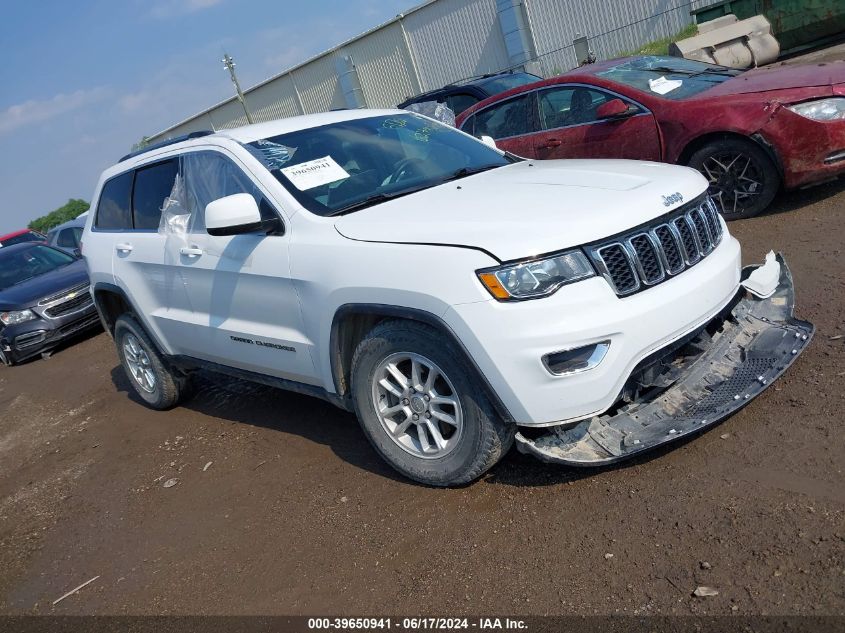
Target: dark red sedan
(750, 133)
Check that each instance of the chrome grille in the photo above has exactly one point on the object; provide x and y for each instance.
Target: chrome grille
(74, 304)
(61, 295)
(652, 253)
(618, 265)
(67, 302)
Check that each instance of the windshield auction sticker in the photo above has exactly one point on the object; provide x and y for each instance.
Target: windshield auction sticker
(313, 173)
(662, 85)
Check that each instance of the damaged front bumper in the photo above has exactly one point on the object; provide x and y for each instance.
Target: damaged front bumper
(717, 372)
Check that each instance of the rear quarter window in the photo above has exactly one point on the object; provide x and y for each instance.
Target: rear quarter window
(113, 208)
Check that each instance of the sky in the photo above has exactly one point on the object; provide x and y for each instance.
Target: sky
(82, 81)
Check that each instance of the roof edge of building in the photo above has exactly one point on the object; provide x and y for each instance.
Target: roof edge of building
(288, 71)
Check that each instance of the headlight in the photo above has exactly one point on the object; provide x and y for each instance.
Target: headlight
(822, 110)
(537, 277)
(18, 316)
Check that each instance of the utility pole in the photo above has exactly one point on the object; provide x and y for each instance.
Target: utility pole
(229, 64)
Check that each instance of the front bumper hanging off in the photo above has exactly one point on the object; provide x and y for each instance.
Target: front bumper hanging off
(754, 344)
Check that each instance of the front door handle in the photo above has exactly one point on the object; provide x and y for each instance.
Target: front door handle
(190, 251)
(123, 248)
(552, 142)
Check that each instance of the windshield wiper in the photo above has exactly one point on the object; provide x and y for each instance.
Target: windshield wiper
(374, 199)
(463, 172)
(690, 73)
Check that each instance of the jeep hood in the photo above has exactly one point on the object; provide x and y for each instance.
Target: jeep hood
(530, 207)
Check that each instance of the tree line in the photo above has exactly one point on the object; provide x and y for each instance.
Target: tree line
(68, 211)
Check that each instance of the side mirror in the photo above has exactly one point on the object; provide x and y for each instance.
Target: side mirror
(232, 215)
(77, 252)
(614, 109)
(489, 141)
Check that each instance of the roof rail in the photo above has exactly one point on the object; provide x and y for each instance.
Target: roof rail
(165, 143)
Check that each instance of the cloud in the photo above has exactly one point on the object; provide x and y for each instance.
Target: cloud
(165, 9)
(33, 111)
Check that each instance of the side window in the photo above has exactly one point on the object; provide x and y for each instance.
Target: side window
(113, 208)
(68, 238)
(152, 185)
(511, 118)
(570, 105)
(210, 176)
(459, 102)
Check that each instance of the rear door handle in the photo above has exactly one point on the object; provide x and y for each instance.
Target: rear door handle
(123, 248)
(552, 142)
(190, 251)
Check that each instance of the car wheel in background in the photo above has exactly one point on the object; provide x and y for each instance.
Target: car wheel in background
(422, 408)
(157, 385)
(743, 179)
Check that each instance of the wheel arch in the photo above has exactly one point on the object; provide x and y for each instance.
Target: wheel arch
(352, 321)
(111, 301)
(757, 139)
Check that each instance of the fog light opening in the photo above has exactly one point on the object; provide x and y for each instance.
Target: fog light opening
(575, 361)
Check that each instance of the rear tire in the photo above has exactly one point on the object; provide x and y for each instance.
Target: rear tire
(158, 385)
(403, 369)
(743, 179)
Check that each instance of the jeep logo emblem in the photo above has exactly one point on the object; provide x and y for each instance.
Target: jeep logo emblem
(672, 198)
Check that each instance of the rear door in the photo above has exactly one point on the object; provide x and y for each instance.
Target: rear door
(511, 123)
(140, 261)
(569, 126)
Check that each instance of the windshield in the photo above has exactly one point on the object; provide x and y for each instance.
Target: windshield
(669, 77)
(349, 165)
(18, 265)
(501, 83)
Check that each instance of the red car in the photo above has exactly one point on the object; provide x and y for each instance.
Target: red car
(749, 133)
(24, 235)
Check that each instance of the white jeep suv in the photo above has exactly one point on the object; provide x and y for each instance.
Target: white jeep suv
(453, 296)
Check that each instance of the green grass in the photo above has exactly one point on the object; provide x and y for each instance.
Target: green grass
(661, 46)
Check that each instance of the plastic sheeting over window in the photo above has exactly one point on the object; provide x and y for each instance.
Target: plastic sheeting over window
(174, 212)
(203, 178)
(433, 109)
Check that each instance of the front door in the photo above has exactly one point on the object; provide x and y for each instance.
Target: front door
(246, 313)
(570, 128)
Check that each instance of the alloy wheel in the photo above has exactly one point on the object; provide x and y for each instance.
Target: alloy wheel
(138, 361)
(736, 180)
(417, 405)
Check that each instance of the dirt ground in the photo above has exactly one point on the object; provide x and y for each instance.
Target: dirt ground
(282, 507)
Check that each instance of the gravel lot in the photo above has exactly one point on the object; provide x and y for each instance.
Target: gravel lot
(281, 506)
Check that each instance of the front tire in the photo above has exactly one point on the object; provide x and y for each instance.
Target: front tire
(743, 179)
(422, 407)
(159, 386)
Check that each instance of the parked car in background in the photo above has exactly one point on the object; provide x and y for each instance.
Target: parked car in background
(748, 132)
(44, 300)
(67, 236)
(461, 95)
(24, 235)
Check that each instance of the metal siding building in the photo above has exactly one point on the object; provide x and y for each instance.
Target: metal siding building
(442, 41)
